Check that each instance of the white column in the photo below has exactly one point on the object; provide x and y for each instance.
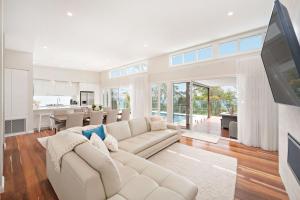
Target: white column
(1, 98)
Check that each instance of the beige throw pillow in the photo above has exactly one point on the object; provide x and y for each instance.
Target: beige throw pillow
(158, 125)
(99, 144)
(111, 143)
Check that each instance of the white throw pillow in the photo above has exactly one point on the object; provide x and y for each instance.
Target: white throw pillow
(111, 143)
(155, 118)
(99, 144)
(158, 125)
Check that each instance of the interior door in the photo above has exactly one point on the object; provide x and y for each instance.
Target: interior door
(8, 93)
(19, 94)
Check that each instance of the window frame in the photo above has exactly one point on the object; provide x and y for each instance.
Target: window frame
(118, 96)
(215, 45)
(124, 71)
(159, 86)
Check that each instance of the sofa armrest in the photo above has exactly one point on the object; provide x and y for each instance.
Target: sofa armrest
(174, 126)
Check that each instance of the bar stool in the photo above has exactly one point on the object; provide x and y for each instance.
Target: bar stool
(41, 115)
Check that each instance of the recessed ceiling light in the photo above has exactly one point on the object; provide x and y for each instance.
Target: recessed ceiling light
(230, 13)
(45, 47)
(146, 45)
(69, 14)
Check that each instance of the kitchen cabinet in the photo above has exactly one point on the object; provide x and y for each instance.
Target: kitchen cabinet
(55, 88)
(16, 94)
(16, 100)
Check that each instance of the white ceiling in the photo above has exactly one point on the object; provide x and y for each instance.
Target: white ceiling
(103, 34)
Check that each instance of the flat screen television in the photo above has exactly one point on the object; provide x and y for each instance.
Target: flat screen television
(281, 57)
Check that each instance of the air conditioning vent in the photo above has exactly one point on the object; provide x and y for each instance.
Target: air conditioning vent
(15, 126)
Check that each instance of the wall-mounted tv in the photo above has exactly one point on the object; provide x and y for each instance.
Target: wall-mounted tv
(281, 57)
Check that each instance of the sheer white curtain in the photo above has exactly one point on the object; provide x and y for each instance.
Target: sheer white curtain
(139, 96)
(257, 112)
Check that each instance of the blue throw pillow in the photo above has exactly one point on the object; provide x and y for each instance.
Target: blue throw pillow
(99, 131)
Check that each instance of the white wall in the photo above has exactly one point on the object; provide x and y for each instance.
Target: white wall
(22, 60)
(289, 118)
(60, 74)
(1, 98)
(158, 70)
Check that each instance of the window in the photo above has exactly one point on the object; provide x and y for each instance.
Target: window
(159, 99)
(163, 100)
(251, 43)
(52, 100)
(177, 60)
(128, 70)
(205, 53)
(154, 97)
(105, 98)
(114, 98)
(120, 98)
(228, 48)
(189, 57)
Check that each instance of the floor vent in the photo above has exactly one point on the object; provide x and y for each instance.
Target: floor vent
(15, 126)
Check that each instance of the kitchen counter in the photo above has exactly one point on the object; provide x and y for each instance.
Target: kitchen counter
(51, 108)
(45, 120)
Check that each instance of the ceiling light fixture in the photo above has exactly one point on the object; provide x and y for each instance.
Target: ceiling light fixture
(146, 45)
(69, 14)
(230, 13)
(45, 47)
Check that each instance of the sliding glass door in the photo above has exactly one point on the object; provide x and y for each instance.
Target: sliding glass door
(159, 99)
(181, 104)
(120, 98)
(200, 103)
(190, 103)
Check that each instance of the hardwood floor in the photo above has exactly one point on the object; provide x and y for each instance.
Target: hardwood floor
(25, 173)
(257, 171)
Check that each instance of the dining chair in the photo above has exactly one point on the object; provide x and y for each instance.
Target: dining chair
(125, 116)
(74, 119)
(76, 110)
(60, 125)
(106, 109)
(111, 116)
(96, 117)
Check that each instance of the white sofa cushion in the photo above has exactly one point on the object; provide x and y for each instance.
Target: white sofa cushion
(150, 180)
(138, 126)
(105, 166)
(141, 142)
(120, 130)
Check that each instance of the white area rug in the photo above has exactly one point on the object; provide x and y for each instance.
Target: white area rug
(214, 174)
(202, 136)
(43, 141)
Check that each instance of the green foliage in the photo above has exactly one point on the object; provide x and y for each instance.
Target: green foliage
(220, 100)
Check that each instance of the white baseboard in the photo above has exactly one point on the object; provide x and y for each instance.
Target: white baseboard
(2, 185)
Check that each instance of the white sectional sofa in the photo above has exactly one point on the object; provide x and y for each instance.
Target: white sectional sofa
(135, 136)
(87, 174)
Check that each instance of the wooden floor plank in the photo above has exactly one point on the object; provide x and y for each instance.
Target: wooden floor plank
(25, 170)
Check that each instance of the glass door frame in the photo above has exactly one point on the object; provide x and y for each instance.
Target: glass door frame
(189, 100)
